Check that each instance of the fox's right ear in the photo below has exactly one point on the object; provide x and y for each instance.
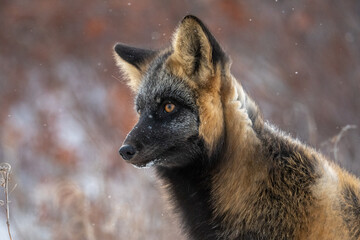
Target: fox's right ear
(133, 62)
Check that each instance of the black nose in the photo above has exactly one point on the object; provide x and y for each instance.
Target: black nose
(127, 152)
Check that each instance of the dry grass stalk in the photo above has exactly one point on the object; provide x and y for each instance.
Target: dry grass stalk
(336, 139)
(5, 169)
(75, 212)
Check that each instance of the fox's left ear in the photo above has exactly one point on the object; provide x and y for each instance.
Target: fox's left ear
(133, 62)
(196, 52)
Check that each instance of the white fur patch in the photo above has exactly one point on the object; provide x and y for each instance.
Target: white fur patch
(330, 172)
(327, 186)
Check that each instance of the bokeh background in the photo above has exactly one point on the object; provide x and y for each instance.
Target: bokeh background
(65, 110)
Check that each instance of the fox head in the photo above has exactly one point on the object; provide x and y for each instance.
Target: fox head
(180, 93)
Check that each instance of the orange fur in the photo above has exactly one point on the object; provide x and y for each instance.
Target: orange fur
(206, 82)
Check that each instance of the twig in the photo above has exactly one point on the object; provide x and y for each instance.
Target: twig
(117, 79)
(336, 139)
(6, 168)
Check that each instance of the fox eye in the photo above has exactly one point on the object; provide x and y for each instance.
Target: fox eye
(169, 107)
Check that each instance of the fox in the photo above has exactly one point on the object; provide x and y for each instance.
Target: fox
(228, 173)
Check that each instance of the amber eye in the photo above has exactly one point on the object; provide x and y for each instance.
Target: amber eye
(169, 107)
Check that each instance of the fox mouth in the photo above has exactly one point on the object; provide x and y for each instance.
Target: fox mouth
(145, 164)
(140, 158)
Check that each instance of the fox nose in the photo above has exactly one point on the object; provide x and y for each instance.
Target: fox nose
(127, 152)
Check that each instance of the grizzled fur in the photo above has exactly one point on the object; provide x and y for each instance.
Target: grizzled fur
(228, 174)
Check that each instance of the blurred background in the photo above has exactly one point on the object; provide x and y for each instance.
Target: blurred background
(65, 109)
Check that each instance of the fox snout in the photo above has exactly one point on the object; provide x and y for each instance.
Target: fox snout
(131, 147)
(127, 152)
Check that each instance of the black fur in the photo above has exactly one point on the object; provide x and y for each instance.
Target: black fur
(160, 137)
(190, 191)
(351, 209)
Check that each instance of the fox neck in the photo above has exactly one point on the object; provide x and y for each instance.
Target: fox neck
(189, 190)
(194, 189)
(241, 163)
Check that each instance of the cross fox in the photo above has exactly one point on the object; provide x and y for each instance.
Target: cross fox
(228, 173)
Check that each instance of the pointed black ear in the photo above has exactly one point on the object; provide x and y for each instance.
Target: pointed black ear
(195, 49)
(132, 55)
(133, 62)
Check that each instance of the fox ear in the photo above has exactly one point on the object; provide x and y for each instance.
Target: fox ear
(195, 50)
(133, 62)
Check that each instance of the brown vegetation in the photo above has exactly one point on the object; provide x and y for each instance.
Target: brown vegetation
(65, 109)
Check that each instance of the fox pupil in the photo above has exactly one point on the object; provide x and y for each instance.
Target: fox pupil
(169, 107)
